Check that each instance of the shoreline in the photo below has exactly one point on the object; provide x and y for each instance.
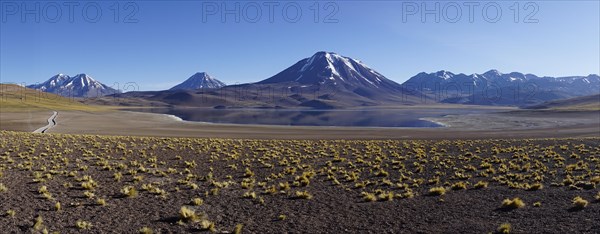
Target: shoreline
(178, 119)
(174, 117)
(436, 121)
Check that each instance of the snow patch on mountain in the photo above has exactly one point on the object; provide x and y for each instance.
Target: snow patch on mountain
(200, 80)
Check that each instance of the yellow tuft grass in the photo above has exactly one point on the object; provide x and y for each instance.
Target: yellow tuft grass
(504, 228)
(579, 202)
(513, 204)
(437, 191)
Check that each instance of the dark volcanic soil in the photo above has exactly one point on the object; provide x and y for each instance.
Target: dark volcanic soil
(254, 183)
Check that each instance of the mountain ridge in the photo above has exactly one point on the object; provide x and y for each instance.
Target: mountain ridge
(80, 85)
(496, 88)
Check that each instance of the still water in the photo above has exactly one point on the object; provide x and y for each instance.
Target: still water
(295, 117)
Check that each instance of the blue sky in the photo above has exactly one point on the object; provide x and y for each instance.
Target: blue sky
(165, 42)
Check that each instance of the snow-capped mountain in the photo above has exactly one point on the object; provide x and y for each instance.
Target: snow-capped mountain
(200, 80)
(80, 85)
(494, 87)
(327, 68)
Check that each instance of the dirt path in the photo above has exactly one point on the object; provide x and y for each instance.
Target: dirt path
(51, 123)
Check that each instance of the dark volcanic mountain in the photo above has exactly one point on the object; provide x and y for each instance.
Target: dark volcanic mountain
(80, 85)
(326, 67)
(200, 80)
(495, 88)
(341, 79)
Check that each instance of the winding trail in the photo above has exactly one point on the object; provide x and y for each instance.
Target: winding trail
(51, 123)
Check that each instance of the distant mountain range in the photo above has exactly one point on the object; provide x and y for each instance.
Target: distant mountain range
(200, 80)
(328, 80)
(496, 88)
(80, 85)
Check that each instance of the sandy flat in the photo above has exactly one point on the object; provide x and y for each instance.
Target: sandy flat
(26, 121)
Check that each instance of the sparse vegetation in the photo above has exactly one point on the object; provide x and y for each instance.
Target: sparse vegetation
(207, 225)
(146, 230)
(303, 195)
(188, 215)
(11, 213)
(101, 202)
(437, 191)
(504, 228)
(89, 194)
(513, 203)
(536, 186)
(481, 184)
(129, 191)
(19, 99)
(197, 201)
(459, 185)
(369, 197)
(84, 225)
(211, 177)
(39, 223)
(579, 202)
(238, 229)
